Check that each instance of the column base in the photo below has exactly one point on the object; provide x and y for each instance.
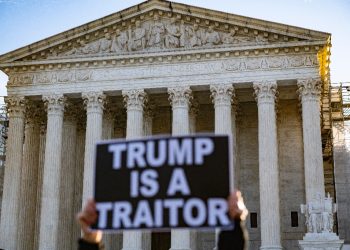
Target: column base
(322, 241)
(271, 247)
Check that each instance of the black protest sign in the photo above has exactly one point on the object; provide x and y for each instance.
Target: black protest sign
(163, 182)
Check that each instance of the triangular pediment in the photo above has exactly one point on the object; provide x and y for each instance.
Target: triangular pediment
(161, 26)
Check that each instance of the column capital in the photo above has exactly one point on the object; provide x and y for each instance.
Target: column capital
(265, 91)
(309, 88)
(54, 104)
(15, 106)
(93, 101)
(134, 99)
(222, 94)
(180, 96)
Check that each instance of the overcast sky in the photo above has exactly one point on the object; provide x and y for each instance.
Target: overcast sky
(23, 22)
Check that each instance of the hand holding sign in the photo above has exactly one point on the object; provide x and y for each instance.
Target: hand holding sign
(163, 182)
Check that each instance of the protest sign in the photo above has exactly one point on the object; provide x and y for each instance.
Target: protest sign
(163, 182)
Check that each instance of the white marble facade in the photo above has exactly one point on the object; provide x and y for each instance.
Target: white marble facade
(164, 68)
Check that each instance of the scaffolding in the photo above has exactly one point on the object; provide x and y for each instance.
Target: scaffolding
(340, 101)
(3, 131)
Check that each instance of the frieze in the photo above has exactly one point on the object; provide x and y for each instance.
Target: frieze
(50, 77)
(161, 34)
(164, 70)
(278, 62)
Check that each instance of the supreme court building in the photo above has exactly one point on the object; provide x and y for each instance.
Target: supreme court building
(165, 68)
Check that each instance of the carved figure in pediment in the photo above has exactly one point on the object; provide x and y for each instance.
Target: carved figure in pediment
(156, 34)
(106, 44)
(173, 34)
(137, 37)
(261, 39)
(120, 41)
(195, 35)
(183, 34)
(90, 48)
(78, 49)
(229, 38)
(212, 37)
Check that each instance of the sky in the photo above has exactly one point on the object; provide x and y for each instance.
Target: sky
(23, 22)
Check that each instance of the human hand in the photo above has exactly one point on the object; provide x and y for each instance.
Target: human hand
(86, 218)
(236, 207)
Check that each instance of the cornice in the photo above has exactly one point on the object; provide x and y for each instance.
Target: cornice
(179, 55)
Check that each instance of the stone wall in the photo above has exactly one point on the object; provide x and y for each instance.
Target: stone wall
(291, 168)
(341, 155)
(2, 172)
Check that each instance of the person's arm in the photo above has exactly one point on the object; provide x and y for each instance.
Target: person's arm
(235, 238)
(91, 240)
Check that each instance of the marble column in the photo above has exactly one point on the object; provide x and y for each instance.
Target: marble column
(108, 121)
(40, 181)
(148, 119)
(268, 165)
(94, 102)
(67, 215)
(221, 95)
(11, 190)
(111, 241)
(79, 172)
(50, 200)
(180, 98)
(147, 131)
(134, 102)
(194, 108)
(29, 177)
(310, 91)
(235, 132)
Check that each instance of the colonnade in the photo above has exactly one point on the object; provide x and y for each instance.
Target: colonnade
(27, 170)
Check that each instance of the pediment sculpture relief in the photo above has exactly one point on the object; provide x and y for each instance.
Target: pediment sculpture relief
(167, 34)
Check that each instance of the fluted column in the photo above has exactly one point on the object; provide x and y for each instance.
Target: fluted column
(147, 131)
(268, 165)
(111, 241)
(134, 102)
(40, 181)
(12, 177)
(29, 177)
(94, 102)
(50, 200)
(108, 121)
(309, 91)
(79, 172)
(67, 216)
(180, 98)
(235, 132)
(221, 95)
(148, 119)
(194, 108)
